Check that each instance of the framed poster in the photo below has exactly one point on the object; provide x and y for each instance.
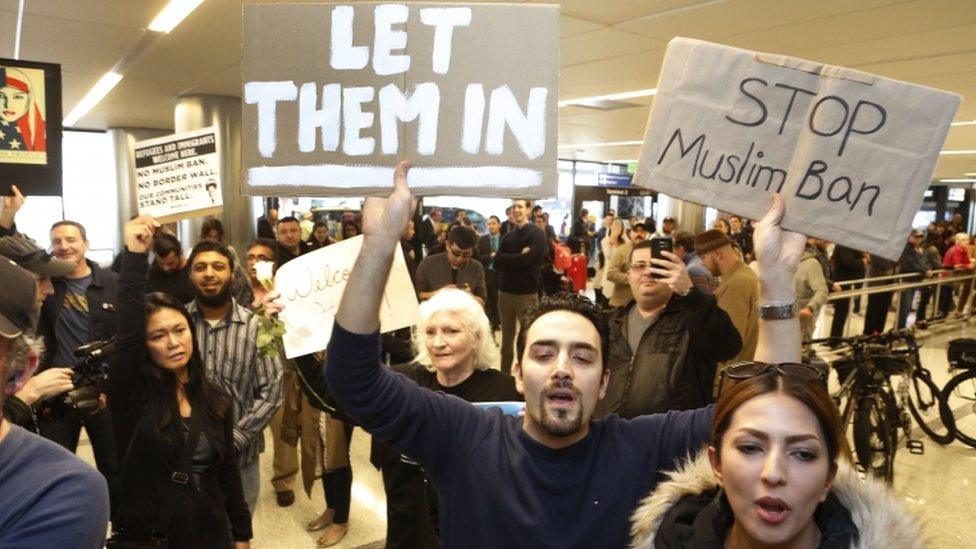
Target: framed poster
(30, 127)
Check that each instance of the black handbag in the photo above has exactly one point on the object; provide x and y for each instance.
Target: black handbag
(158, 537)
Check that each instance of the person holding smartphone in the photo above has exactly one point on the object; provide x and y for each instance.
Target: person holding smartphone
(665, 344)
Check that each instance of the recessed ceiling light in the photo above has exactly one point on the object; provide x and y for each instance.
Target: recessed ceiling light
(600, 144)
(957, 180)
(94, 95)
(612, 97)
(959, 151)
(173, 14)
(965, 123)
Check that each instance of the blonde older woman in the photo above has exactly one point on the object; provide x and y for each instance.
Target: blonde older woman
(455, 354)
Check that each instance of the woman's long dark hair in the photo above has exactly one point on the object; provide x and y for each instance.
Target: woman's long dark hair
(204, 396)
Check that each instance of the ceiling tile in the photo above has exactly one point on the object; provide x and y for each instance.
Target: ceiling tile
(602, 44)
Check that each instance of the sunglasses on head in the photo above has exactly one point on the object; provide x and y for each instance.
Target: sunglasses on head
(752, 368)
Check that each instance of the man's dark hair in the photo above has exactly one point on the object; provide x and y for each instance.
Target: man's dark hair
(75, 224)
(211, 246)
(288, 219)
(463, 237)
(574, 303)
(534, 208)
(639, 246)
(495, 217)
(584, 212)
(528, 203)
(267, 243)
(685, 240)
(165, 244)
(508, 210)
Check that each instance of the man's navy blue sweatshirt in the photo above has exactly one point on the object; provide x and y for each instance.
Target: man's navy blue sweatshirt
(498, 487)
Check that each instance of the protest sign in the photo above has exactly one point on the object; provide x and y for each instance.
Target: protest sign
(312, 285)
(178, 176)
(851, 152)
(334, 95)
(30, 127)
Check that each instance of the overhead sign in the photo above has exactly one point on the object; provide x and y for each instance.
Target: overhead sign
(852, 153)
(335, 95)
(614, 179)
(30, 127)
(312, 286)
(178, 176)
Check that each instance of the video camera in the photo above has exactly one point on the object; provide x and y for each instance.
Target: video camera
(89, 375)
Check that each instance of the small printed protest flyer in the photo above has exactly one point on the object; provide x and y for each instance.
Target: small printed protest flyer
(178, 176)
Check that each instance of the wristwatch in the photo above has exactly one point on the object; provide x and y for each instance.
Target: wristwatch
(778, 311)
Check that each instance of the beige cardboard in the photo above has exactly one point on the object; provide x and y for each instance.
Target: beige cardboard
(173, 173)
(503, 45)
(312, 286)
(701, 93)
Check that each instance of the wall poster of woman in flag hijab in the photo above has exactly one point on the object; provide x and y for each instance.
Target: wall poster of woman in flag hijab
(30, 127)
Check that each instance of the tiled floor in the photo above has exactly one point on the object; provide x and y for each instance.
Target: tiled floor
(938, 485)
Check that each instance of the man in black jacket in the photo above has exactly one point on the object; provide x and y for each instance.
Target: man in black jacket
(848, 265)
(488, 245)
(518, 260)
(666, 344)
(912, 261)
(82, 310)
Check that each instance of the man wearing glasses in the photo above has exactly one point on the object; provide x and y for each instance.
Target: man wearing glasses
(454, 267)
(665, 344)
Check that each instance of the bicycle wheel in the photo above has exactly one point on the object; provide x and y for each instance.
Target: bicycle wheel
(873, 442)
(959, 414)
(925, 404)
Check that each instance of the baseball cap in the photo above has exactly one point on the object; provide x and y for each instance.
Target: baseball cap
(17, 300)
(30, 256)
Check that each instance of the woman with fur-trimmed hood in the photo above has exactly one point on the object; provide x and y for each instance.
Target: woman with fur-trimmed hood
(772, 477)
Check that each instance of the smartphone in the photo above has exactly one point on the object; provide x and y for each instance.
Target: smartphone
(661, 244)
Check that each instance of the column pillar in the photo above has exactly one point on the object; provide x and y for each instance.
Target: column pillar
(689, 216)
(194, 112)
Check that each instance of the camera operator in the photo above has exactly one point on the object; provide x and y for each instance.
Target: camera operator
(49, 498)
(19, 407)
(82, 310)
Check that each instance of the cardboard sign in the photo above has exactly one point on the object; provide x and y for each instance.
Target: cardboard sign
(178, 176)
(30, 127)
(312, 285)
(851, 152)
(334, 95)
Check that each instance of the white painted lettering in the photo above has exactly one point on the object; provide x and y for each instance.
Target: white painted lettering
(444, 20)
(266, 95)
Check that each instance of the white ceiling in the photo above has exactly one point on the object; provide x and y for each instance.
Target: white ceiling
(608, 46)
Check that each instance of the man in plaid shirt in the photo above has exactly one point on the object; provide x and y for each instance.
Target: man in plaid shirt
(226, 334)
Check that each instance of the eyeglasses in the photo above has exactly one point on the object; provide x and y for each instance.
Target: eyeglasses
(259, 257)
(752, 368)
(640, 267)
(460, 254)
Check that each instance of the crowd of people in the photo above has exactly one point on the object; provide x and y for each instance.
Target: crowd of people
(693, 352)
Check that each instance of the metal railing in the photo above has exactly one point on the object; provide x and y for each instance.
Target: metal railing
(939, 280)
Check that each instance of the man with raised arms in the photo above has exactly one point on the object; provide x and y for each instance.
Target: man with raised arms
(553, 477)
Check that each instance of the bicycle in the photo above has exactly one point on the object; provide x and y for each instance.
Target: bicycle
(923, 396)
(959, 394)
(875, 410)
